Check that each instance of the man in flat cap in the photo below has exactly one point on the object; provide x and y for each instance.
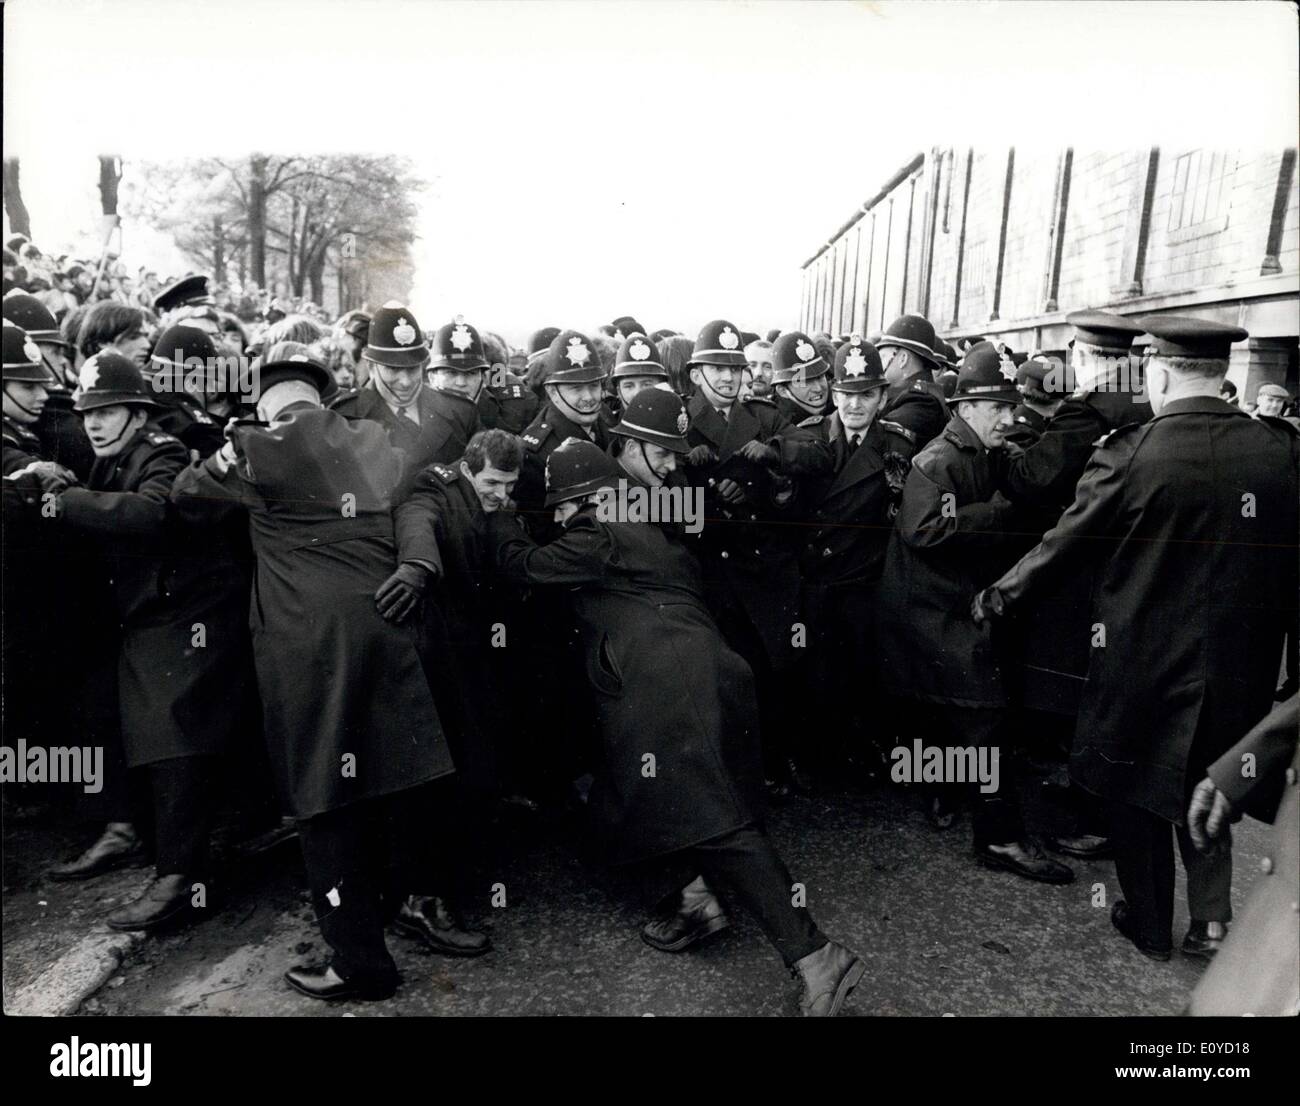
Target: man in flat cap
(1271, 400)
(1193, 516)
(955, 531)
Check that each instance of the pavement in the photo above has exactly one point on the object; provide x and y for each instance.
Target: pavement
(941, 934)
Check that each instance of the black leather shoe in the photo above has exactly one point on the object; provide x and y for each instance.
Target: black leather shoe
(434, 922)
(167, 900)
(118, 847)
(1204, 938)
(1122, 921)
(1025, 858)
(829, 974)
(325, 983)
(698, 915)
(1085, 846)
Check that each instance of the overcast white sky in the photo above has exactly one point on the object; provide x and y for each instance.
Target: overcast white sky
(676, 161)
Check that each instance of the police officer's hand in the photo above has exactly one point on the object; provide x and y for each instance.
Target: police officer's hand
(759, 453)
(729, 491)
(1208, 815)
(53, 477)
(987, 605)
(399, 595)
(701, 455)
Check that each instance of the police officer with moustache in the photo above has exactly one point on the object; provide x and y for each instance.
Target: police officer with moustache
(745, 455)
(673, 696)
(183, 655)
(955, 532)
(637, 366)
(181, 412)
(424, 427)
(355, 756)
(439, 530)
(849, 512)
(59, 427)
(1195, 514)
(800, 379)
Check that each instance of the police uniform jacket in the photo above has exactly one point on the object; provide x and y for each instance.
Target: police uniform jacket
(1192, 518)
(953, 535)
(447, 422)
(750, 550)
(440, 524)
(1256, 972)
(666, 685)
(541, 438)
(178, 594)
(337, 681)
(510, 405)
(914, 414)
(848, 510)
(1027, 426)
(184, 419)
(62, 438)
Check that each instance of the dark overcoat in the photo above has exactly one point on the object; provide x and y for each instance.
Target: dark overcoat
(749, 551)
(447, 422)
(1192, 519)
(440, 523)
(667, 686)
(954, 533)
(335, 678)
(179, 594)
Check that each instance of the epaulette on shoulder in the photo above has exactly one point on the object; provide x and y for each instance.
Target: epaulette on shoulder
(891, 427)
(533, 441)
(158, 437)
(343, 397)
(813, 420)
(1112, 438)
(201, 416)
(759, 399)
(445, 473)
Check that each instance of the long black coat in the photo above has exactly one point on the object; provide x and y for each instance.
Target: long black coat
(665, 683)
(335, 678)
(167, 579)
(750, 550)
(1193, 519)
(441, 523)
(953, 535)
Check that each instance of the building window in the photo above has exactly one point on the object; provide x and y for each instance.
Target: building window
(975, 269)
(1198, 201)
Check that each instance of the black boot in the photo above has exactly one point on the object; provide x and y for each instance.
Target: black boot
(697, 914)
(119, 846)
(435, 923)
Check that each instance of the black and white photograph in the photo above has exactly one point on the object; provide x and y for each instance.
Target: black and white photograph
(699, 509)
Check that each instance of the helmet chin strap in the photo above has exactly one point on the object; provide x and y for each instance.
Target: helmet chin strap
(646, 462)
(22, 407)
(126, 425)
(558, 397)
(390, 397)
(704, 381)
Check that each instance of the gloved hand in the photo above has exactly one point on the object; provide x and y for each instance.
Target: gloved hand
(1208, 815)
(730, 492)
(987, 605)
(53, 477)
(701, 455)
(399, 595)
(759, 453)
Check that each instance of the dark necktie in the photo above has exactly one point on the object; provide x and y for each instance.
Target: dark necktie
(854, 442)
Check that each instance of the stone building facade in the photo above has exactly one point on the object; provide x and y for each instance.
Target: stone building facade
(1005, 243)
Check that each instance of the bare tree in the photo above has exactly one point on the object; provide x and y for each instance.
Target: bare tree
(20, 221)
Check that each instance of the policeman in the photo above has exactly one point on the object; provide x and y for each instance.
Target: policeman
(1029, 420)
(425, 427)
(190, 291)
(667, 684)
(745, 456)
(800, 378)
(539, 345)
(357, 750)
(27, 384)
(506, 401)
(849, 512)
(457, 374)
(955, 532)
(915, 410)
(637, 366)
(179, 351)
(1194, 516)
(652, 442)
(184, 655)
(573, 409)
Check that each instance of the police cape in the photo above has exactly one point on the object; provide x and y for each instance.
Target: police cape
(348, 714)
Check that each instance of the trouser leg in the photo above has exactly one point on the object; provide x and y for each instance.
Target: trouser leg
(746, 862)
(1144, 863)
(1209, 880)
(417, 826)
(344, 874)
(183, 797)
(995, 800)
